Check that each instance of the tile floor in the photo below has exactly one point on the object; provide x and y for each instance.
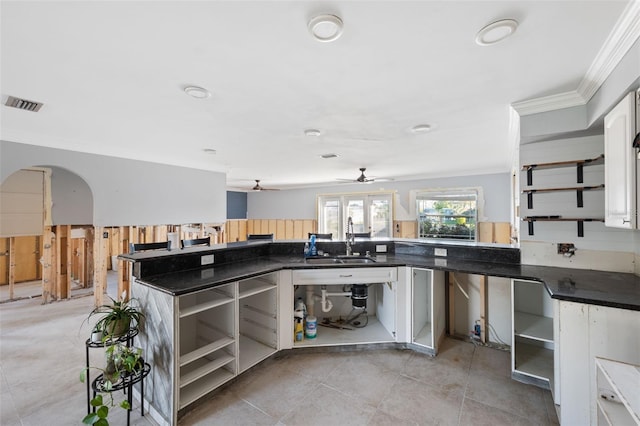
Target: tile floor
(42, 353)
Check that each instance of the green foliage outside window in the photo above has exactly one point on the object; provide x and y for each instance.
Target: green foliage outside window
(451, 216)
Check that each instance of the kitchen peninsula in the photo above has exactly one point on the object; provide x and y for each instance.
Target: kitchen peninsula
(196, 337)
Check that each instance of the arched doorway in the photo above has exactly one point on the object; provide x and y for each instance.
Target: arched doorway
(46, 234)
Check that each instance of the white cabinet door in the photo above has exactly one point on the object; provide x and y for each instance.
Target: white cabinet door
(620, 170)
(587, 332)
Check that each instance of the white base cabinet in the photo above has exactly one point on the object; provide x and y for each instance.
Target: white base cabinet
(427, 309)
(199, 341)
(207, 342)
(381, 306)
(533, 342)
(587, 332)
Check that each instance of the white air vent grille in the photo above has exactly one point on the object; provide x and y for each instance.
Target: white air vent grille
(23, 104)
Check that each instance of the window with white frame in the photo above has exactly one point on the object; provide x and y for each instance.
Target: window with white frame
(450, 214)
(370, 212)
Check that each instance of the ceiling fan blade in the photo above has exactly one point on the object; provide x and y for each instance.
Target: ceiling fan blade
(259, 188)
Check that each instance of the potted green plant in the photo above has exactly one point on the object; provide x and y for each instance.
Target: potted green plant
(121, 361)
(119, 316)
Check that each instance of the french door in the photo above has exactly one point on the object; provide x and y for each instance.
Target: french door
(369, 213)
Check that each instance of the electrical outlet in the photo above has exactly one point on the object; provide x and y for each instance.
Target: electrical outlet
(206, 259)
(440, 252)
(567, 249)
(381, 248)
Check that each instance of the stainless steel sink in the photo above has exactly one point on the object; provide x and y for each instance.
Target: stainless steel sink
(356, 260)
(332, 260)
(322, 260)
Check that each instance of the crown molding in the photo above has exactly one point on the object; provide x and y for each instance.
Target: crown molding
(549, 103)
(622, 37)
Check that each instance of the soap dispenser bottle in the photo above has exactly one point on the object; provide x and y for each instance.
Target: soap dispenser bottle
(313, 251)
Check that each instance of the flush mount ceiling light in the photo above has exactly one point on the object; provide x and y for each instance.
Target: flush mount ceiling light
(209, 151)
(325, 28)
(421, 128)
(197, 92)
(496, 31)
(312, 132)
(326, 156)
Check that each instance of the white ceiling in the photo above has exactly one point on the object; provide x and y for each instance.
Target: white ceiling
(111, 76)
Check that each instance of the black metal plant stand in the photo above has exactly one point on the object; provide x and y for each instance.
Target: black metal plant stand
(126, 338)
(125, 383)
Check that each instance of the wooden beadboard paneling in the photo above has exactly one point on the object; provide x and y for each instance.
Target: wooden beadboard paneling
(281, 230)
(502, 232)
(485, 232)
(243, 230)
(405, 229)
(288, 229)
(272, 227)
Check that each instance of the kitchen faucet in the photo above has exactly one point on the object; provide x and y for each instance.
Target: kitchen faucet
(350, 236)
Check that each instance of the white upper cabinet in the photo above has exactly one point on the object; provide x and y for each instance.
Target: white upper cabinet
(620, 164)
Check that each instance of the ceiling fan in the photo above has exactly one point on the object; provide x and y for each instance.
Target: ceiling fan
(257, 187)
(363, 179)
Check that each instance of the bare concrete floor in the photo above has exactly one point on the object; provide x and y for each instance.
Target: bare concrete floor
(42, 352)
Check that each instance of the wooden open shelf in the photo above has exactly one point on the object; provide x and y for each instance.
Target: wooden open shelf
(557, 164)
(579, 190)
(579, 220)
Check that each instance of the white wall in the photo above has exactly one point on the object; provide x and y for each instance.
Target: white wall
(72, 200)
(130, 192)
(301, 203)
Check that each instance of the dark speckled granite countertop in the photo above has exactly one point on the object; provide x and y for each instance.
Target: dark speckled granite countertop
(614, 289)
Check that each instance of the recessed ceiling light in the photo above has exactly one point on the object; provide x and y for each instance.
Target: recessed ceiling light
(312, 132)
(496, 31)
(329, 156)
(325, 27)
(197, 92)
(421, 128)
(209, 150)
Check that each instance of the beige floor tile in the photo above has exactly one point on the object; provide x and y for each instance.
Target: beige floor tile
(225, 408)
(8, 413)
(314, 365)
(449, 375)
(360, 378)
(455, 350)
(478, 414)
(503, 393)
(388, 359)
(415, 401)
(492, 361)
(325, 406)
(552, 412)
(273, 390)
(380, 418)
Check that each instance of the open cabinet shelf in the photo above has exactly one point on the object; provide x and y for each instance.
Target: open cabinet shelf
(535, 327)
(533, 338)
